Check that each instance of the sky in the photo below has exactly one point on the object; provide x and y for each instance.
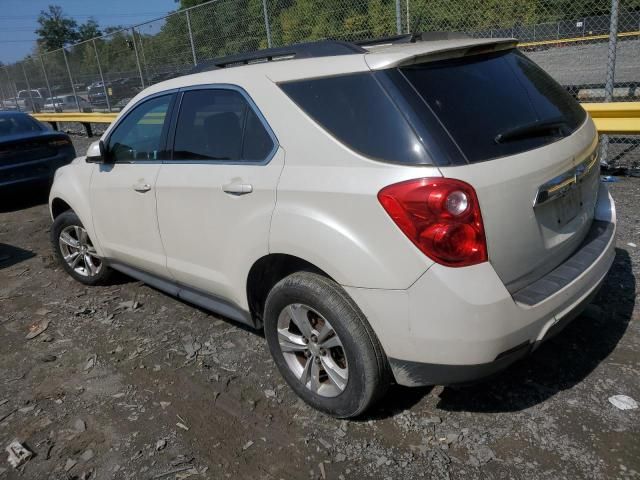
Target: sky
(18, 18)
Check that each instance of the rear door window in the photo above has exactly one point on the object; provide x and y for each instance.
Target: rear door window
(220, 125)
(496, 105)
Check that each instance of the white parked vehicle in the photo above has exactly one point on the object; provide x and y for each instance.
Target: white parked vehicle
(424, 211)
(67, 103)
(30, 100)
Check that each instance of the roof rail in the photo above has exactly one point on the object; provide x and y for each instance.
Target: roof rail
(323, 48)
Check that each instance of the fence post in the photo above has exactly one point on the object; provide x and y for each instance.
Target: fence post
(267, 25)
(2, 96)
(193, 48)
(46, 78)
(24, 72)
(398, 19)
(408, 19)
(135, 49)
(15, 90)
(104, 85)
(611, 70)
(73, 87)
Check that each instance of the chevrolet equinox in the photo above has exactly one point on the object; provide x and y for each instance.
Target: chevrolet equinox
(421, 210)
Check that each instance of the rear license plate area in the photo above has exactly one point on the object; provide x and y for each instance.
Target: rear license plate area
(568, 206)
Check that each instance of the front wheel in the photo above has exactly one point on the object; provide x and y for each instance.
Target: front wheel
(323, 345)
(75, 251)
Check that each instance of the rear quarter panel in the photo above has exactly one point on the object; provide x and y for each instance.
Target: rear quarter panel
(327, 211)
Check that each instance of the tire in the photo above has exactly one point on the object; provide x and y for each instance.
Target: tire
(360, 373)
(86, 268)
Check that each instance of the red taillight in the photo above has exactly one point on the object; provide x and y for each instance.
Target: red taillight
(441, 216)
(59, 142)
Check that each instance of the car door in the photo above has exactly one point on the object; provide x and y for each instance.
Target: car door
(217, 193)
(123, 198)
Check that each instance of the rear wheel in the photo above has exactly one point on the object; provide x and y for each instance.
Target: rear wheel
(324, 346)
(75, 251)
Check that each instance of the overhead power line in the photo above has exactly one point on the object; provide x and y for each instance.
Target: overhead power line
(72, 15)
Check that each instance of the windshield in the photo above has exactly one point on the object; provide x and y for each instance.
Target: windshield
(485, 100)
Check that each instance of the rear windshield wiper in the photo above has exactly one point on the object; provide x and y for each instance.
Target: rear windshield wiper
(533, 129)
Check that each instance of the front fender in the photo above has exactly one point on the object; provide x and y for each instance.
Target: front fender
(71, 184)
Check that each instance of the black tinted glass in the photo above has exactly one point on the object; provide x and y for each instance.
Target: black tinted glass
(219, 125)
(257, 142)
(496, 105)
(17, 124)
(357, 111)
(140, 135)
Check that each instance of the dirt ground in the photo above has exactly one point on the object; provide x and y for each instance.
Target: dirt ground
(128, 383)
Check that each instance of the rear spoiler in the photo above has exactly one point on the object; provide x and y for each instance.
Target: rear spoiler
(393, 55)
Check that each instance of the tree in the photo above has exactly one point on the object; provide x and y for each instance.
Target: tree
(56, 29)
(189, 3)
(89, 30)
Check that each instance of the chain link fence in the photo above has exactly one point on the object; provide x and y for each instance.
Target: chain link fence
(592, 47)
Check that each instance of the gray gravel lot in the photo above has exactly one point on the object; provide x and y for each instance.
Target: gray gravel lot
(127, 383)
(587, 63)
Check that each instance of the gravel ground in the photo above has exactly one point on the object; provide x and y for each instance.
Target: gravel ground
(127, 383)
(586, 63)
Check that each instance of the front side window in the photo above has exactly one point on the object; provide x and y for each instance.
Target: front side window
(219, 124)
(140, 136)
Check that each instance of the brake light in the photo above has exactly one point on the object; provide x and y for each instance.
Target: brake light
(59, 142)
(441, 216)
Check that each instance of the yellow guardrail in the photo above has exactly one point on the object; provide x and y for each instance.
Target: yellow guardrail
(576, 39)
(617, 118)
(76, 117)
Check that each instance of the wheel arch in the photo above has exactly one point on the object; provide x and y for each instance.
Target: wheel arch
(269, 270)
(58, 207)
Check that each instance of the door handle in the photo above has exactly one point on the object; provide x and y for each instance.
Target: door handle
(238, 188)
(142, 187)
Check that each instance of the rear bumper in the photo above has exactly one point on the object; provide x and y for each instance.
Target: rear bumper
(33, 171)
(460, 324)
(416, 373)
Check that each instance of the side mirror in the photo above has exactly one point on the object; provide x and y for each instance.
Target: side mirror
(97, 152)
(103, 150)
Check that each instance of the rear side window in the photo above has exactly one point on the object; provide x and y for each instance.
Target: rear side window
(219, 124)
(357, 111)
(496, 105)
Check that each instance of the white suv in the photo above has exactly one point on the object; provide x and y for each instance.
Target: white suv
(424, 211)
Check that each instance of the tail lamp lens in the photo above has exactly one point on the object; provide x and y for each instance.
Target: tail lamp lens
(441, 216)
(59, 143)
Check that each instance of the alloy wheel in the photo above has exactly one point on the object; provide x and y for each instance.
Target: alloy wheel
(78, 251)
(312, 350)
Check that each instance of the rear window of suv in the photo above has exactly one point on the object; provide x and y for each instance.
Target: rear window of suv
(496, 105)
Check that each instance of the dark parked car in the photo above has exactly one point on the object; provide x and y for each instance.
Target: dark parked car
(30, 153)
